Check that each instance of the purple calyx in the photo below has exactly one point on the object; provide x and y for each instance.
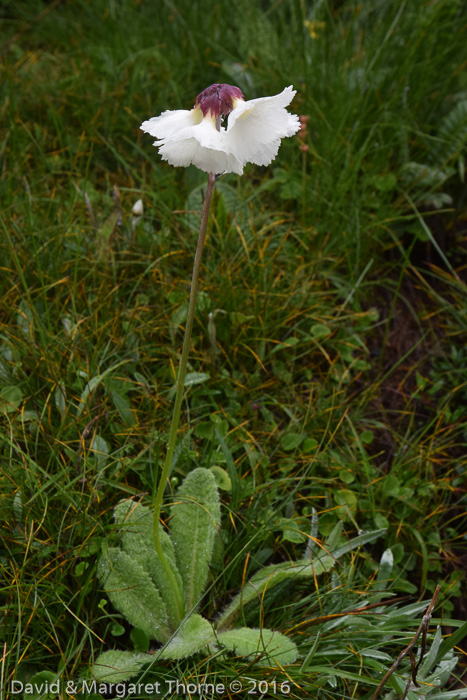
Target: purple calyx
(218, 99)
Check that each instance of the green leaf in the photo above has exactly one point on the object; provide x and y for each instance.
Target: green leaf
(309, 657)
(345, 674)
(239, 318)
(359, 541)
(291, 441)
(319, 330)
(205, 429)
(347, 476)
(392, 486)
(348, 502)
(192, 635)
(17, 507)
(100, 449)
(60, 399)
(137, 540)
(441, 674)
(195, 519)
(380, 520)
(81, 568)
(430, 658)
(292, 189)
(140, 639)
(10, 398)
(267, 646)
(291, 531)
(123, 406)
(117, 666)
(222, 478)
(177, 319)
(221, 425)
(43, 686)
(385, 569)
(227, 456)
(309, 444)
(92, 385)
(334, 536)
(385, 182)
(332, 531)
(269, 576)
(91, 548)
(451, 641)
(366, 437)
(106, 230)
(25, 320)
(195, 378)
(133, 593)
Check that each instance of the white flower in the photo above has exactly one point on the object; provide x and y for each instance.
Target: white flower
(138, 208)
(255, 128)
(253, 134)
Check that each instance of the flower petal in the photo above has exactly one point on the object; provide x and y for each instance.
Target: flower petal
(201, 145)
(205, 133)
(264, 153)
(187, 152)
(170, 122)
(255, 127)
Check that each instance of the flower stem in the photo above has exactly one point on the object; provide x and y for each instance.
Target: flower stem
(179, 393)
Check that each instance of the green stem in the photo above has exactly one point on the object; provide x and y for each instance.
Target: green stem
(179, 392)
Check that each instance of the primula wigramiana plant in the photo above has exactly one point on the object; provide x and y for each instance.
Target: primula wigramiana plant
(156, 579)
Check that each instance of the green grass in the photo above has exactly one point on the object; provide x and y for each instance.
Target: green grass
(331, 323)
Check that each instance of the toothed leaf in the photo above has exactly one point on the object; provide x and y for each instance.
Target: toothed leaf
(137, 541)
(132, 592)
(193, 634)
(195, 518)
(268, 646)
(117, 666)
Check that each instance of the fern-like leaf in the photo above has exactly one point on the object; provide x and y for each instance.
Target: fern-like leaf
(452, 135)
(195, 519)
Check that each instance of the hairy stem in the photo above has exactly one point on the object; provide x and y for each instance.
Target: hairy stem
(179, 391)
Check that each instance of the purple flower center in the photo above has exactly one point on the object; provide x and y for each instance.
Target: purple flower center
(218, 99)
